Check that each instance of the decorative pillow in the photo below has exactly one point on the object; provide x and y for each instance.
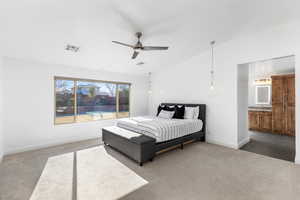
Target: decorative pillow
(166, 114)
(159, 109)
(179, 112)
(189, 112)
(167, 108)
(196, 112)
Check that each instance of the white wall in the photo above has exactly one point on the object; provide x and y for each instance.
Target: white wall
(243, 133)
(189, 80)
(29, 104)
(1, 110)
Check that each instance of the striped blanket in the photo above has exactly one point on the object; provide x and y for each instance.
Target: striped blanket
(159, 128)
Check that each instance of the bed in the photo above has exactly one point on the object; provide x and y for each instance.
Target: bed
(156, 134)
(161, 129)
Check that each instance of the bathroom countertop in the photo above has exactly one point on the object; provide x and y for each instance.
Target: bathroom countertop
(260, 108)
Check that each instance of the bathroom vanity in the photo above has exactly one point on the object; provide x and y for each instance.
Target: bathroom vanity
(279, 116)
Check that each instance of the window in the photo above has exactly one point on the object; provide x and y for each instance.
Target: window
(78, 100)
(64, 95)
(123, 100)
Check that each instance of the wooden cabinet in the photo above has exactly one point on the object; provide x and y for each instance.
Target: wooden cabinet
(260, 121)
(277, 119)
(277, 104)
(266, 121)
(282, 118)
(253, 120)
(283, 104)
(290, 105)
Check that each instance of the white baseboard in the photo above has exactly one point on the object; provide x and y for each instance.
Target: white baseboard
(233, 146)
(45, 145)
(212, 141)
(243, 142)
(297, 160)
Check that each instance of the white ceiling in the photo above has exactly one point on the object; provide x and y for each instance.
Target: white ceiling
(40, 29)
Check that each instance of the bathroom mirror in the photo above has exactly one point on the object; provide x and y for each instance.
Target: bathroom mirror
(263, 94)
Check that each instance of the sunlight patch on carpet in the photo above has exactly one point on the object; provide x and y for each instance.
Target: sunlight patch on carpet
(100, 176)
(56, 179)
(93, 174)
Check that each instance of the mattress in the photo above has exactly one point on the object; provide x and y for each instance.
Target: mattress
(159, 128)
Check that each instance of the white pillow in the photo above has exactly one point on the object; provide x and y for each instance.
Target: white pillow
(196, 112)
(166, 114)
(189, 113)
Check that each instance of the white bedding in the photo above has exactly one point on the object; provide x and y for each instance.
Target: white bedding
(159, 128)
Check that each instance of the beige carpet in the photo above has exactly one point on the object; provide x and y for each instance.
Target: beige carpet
(89, 174)
(200, 171)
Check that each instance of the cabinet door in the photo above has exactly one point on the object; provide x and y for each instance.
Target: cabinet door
(266, 121)
(290, 121)
(253, 120)
(277, 89)
(290, 90)
(277, 104)
(278, 119)
(290, 105)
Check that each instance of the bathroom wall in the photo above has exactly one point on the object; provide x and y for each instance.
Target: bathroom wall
(265, 69)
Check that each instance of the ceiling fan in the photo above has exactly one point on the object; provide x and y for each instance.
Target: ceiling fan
(139, 46)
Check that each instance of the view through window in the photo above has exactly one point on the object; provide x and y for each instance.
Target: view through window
(80, 100)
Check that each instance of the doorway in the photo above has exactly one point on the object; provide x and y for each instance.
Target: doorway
(266, 96)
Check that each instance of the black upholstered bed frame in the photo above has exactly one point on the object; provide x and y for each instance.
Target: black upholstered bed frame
(144, 148)
(199, 136)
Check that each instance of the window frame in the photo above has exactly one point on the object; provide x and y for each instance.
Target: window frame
(117, 83)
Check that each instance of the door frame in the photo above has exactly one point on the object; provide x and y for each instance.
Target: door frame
(242, 105)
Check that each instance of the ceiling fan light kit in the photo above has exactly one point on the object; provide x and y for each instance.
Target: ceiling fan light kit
(140, 47)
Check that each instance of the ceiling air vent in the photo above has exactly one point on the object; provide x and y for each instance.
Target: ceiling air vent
(72, 48)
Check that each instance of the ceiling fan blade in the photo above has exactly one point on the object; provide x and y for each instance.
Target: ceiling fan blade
(121, 43)
(135, 54)
(151, 48)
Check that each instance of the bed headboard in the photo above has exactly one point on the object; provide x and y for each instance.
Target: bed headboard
(202, 113)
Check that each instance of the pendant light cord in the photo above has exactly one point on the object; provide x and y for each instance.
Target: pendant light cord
(212, 65)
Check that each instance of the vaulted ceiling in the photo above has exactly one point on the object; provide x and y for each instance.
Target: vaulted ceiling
(40, 29)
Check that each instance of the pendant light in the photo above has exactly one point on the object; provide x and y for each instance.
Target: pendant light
(212, 68)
